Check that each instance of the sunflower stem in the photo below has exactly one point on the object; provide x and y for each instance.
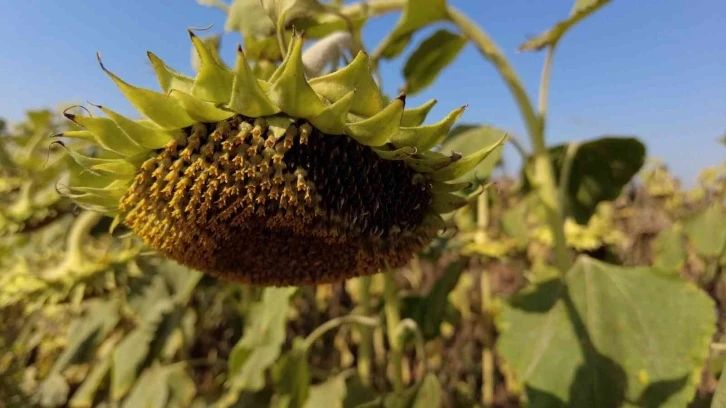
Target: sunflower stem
(489, 50)
(564, 181)
(393, 318)
(366, 341)
(544, 173)
(544, 179)
(482, 221)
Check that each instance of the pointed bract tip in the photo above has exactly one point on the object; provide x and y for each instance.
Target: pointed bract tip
(239, 48)
(402, 97)
(191, 33)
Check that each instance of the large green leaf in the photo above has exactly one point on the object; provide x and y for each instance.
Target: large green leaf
(670, 251)
(260, 345)
(430, 58)
(581, 9)
(707, 232)
(610, 336)
(468, 140)
(416, 14)
(600, 169)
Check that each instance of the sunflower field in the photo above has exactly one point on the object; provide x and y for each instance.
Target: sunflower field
(282, 233)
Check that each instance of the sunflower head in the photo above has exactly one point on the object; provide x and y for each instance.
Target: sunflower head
(282, 181)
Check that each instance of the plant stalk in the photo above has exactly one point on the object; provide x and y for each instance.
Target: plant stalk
(393, 318)
(365, 349)
(482, 221)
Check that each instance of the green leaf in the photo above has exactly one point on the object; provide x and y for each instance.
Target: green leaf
(150, 391)
(260, 345)
(85, 333)
(612, 334)
(329, 394)
(292, 375)
(669, 249)
(249, 18)
(84, 396)
(600, 169)
(430, 58)
(181, 387)
(284, 11)
(425, 394)
(514, 223)
(431, 310)
(132, 351)
(416, 14)
(707, 232)
(719, 397)
(469, 139)
(582, 9)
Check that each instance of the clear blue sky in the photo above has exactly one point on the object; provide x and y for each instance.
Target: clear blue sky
(653, 69)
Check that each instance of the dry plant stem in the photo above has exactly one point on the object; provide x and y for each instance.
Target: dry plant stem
(545, 179)
(366, 340)
(393, 318)
(482, 221)
(336, 322)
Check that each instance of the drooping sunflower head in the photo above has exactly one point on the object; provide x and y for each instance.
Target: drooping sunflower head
(282, 181)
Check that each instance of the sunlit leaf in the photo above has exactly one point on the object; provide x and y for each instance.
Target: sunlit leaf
(562, 342)
(416, 14)
(150, 391)
(670, 251)
(258, 349)
(707, 232)
(87, 332)
(249, 18)
(132, 351)
(329, 394)
(430, 58)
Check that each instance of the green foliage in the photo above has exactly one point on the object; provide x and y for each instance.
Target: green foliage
(430, 58)
(598, 171)
(558, 337)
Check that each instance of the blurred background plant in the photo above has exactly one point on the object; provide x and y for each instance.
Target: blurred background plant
(592, 279)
